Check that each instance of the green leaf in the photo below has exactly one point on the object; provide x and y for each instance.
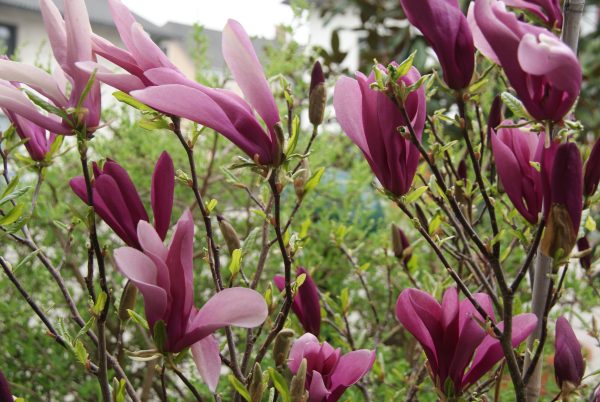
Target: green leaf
(131, 101)
(86, 327)
(405, 66)
(27, 259)
(314, 180)
(13, 215)
(293, 142)
(100, 303)
(236, 262)
(138, 319)
(48, 107)
(415, 194)
(87, 89)
(80, 352)
(345, 299)
(210, 206)
(160, 335)
(280, 384)
(515, 105)
(239, 387)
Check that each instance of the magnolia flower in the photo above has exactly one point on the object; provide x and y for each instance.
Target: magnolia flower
(71, 43)
(447, 31)
(306, 302)
(38, 139)
(548, 10)
(543, 70)
(371, 120)
(140, 56)
(568, 360)
(220, 109)
(458, 349)
(592, 171)
(5, 394)
(118, 203)
(565, 200)
(584, 245)
(164, 276)
(400, 244)
(514, 151)
(328, 373)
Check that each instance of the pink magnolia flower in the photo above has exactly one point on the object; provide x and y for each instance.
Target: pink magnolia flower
(371, 120)
(514, 151)
(328, 373)
(548, 10)
(38, 139)
(118, 203)
(220, 109)
(544, 71)
(306, 302)
(447, 31)
(569, 365)
(71, 43)
(458, 349)
(165, 278)
(140, 56)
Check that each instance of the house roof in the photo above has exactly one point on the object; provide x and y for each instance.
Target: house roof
(185, 34)
(97, 9)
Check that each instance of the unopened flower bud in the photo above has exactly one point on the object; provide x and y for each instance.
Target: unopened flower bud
(256, 387)
(281, 348)
(301, 178)
(495, 116)
(569, 365)
(592, 171)
(400, 244)
(583, 245)
(297, 388)
(5, 393)
(317, 96)
(229, 234)
(462, 170)
(127, 301)
(278, 158)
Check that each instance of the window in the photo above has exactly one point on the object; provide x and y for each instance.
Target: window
(8, 40)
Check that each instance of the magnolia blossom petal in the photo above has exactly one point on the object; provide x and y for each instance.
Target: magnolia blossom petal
(122, 82)
(490, 350)
(208, 361)
(5, 393)
(568, 360)
(347, 102)
(299, 348)
(352, 367)
(163, 186)
(317, 391)
(36, 78)
(55, 28)
(140, 269)
(241, 59)
(150, 241)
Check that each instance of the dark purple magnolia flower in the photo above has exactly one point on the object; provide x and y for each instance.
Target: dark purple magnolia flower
(328, 373)
(543, 70)
(582, 245)
(220, 109)
(447, 31)
(566, 185)
(400, 244)
(458, 349)
(5, 394)
(38, 139)
(514, 149)
(70, 40)
(371, 120)
(495, 116)
(118, 203)
(592, 171)
(164, 276)
(306, 302)
(568, 360)
(548, 10)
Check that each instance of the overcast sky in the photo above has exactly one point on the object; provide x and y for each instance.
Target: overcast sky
(258, 17)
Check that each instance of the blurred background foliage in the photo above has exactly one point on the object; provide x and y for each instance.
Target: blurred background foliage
(343, 226)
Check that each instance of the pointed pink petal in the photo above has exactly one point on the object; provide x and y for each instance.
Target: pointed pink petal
(347, 102)
(32, 76)
(208, 361)
(241, 59)
(147, 53)
(130, 194)
(150, 241)
(55, 28)
(123, 19)
(317, 392)
(140, 269)
(352, 367)
(122, 82)
(163, 186)
(307, 342)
